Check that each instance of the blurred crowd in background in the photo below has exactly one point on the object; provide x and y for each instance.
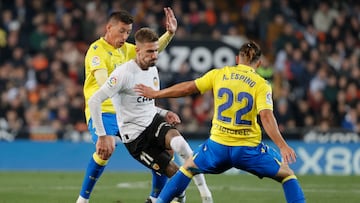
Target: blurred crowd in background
(311, 56)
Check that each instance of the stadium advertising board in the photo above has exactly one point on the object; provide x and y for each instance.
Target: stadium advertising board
(201, 55)
(318, 159)
(327, 158)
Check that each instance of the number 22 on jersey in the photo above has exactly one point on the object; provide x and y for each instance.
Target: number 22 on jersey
(238, 115)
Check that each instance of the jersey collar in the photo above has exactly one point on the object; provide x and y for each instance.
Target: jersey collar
(245, 68)
(106, 44)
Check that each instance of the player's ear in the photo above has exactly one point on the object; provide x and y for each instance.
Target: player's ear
(108, 27)
(258, 63)
(137, 49)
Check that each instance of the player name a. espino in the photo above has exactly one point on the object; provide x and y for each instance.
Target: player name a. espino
(143, 99)
(236, 76)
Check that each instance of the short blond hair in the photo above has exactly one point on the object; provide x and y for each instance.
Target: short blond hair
(146, 35)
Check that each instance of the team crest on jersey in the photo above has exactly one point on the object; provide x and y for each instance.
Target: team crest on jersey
(95, 61)
(155, 166)
(269, 98)
(112, 81)
(156, 82)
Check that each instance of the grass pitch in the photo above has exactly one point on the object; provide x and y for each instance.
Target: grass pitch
(63, 187)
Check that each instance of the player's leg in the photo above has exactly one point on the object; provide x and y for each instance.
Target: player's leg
(158, 182)
(264, 161)
(177, 183)
(205, 160)
(96, 165)
(180, 146)
(146, 150)
(291, 186)
(292, 189)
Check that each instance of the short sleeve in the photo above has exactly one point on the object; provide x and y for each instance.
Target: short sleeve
(96, 58)
(117, 81)
(205, 82)
(264, 97)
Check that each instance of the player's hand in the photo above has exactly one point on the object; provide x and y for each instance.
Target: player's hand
(288, 154)
(171, 22)
(105, 146)
(172, 118)
(145, 91)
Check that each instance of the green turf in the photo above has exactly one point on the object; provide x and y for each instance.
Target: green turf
(63, 187)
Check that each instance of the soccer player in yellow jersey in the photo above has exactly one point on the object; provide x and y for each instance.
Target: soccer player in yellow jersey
(240, 94)
(101, 59)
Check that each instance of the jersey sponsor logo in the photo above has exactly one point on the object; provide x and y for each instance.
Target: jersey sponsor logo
(223, 129)
(269, 98)
(143, 99)
(95, 61)
(112, 81)
(95, 47)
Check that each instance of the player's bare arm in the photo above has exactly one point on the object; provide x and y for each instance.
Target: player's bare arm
(271, 128)
(178, 90)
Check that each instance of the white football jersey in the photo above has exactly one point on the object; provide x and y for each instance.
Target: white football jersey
(134, 113)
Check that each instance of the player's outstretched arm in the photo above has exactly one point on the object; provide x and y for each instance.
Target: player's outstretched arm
(178, 90)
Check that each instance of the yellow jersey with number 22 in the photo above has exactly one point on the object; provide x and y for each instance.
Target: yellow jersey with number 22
(239, 95)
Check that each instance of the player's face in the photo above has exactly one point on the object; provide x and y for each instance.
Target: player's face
(147, 54)
(117, 33)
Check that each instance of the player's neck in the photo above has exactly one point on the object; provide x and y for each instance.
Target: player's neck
(143, 67)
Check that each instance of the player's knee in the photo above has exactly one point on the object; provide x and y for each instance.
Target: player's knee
(190, 167)
(180, 146)
(187, 171)
(284, 173)
(287, 170)
(171, 169)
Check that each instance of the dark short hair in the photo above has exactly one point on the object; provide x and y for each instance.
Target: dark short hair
(146, 35)
(121, 15)
(250, 51)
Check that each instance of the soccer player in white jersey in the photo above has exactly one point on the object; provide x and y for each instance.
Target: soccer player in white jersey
(147, 131)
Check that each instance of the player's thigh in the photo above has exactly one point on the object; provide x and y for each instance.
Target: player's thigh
(211, 157)
(157, 159)
(110, 125)
(150, 155)
(262, 161)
